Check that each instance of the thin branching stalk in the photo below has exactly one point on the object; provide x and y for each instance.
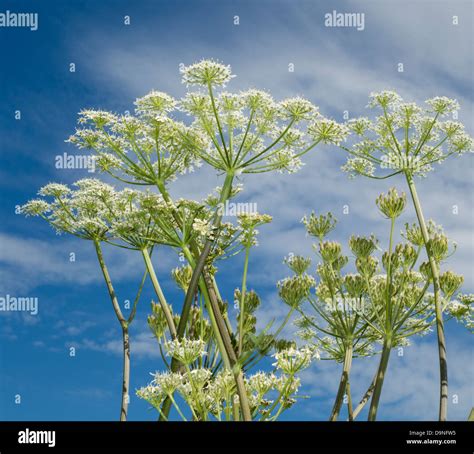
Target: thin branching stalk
(126, 372)
(366, 397)
(124, 325)
(159, 293)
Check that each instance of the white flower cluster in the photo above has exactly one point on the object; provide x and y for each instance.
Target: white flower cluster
(206, 72)
(84, 212)
(405, 137)
(145, 148)
(462, 309)
(96, 211)
(250, 132)
(358, 166)
(154, 103)
(208, 394)
(248, 223)
(204, 228)
(293, 360)
(328, 131)
(186, 350)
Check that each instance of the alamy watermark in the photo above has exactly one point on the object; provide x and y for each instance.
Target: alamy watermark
(398, 162)
(354, 20)
(10, 303)
(75, 161)
(348, 305)
(233, 209)
(25, 20)
(45, 437)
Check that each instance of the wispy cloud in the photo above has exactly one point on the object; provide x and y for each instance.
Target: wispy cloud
(28, 263)
(142, 345)
(334, 68)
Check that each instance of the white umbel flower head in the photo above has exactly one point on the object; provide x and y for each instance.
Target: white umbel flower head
(186, 350)
(203, 227)
(443, 105)
(293, 360)
(205, 73)
(155, 102)
(328, 131)
(261, 382)
(167, 382)
(384, 99)
(358, 166)
(54, 190)
(297, 108)
(35, 207)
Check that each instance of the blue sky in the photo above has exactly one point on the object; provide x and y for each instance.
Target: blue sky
(335, 68)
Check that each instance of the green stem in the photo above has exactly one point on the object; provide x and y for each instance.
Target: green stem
(365, 398)
(382, 369)
(443, 361)
(126, 373)
(199, 266)
(342, 384)
(159, 293)
(388, 310)
(349, 401)
(170, 396)
(219, 327)
(242, 301)
(229, 350)
(175, 365)
(124, 325)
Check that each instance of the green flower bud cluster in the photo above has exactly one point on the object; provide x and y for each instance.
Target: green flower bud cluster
(363, 247)
(450, 283)
(330, 251)
(355, 285)
(319, 226)
(182, 276)
(439, 246)
(298, 264)
(294, 290)
(367, 266)
(392, 204)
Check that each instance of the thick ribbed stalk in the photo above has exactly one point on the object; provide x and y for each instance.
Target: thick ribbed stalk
(346, 368)
(159, 293)
(374, 403)
(236, 370)
(175, 365)
(215, 326)
(220, 329)
(124, 325)
(242, 301)
(126, 373)
(442, 354)
(350, 410)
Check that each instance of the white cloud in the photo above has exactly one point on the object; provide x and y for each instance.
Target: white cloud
(28, 263)
(142, 345)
